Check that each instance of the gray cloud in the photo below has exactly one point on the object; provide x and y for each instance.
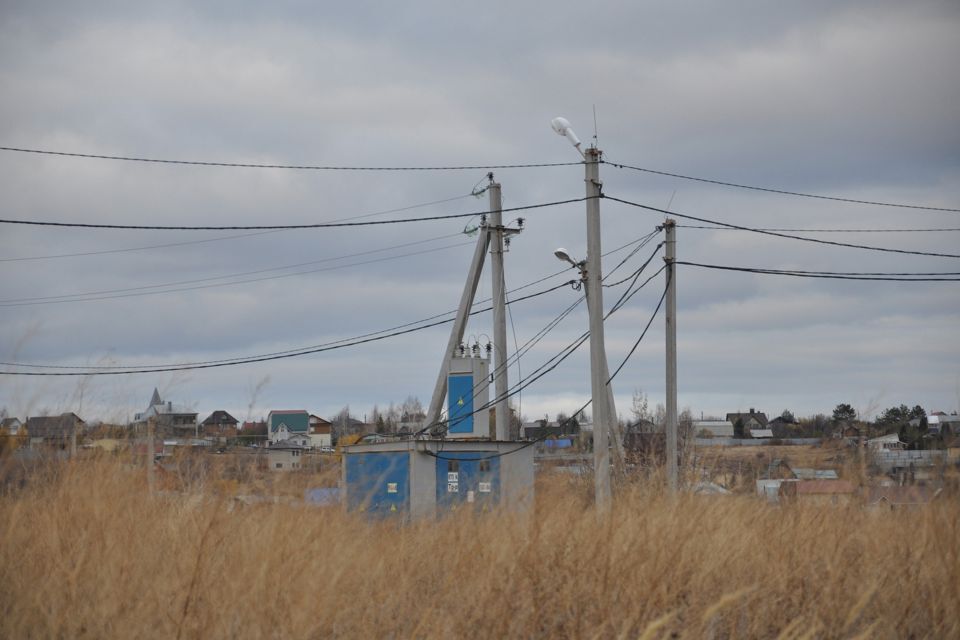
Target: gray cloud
(855, 100)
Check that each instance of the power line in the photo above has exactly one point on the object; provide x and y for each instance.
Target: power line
(243, 235)
(130, 292)
(527, 346)
(636, 273)
(298, 167)
(92, 371)
(778, 191)
(142, 290)
(564, 353)
(307, 349)
(784, 235)
(645, 329)
(837, 275)
(696, 226)
(556, 321)
(318, 225)
(569, 352)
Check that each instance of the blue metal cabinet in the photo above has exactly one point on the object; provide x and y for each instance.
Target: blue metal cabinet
(378, 483)
(467, 479)
(460, 403)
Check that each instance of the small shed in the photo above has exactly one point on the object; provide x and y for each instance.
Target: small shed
(415, 478)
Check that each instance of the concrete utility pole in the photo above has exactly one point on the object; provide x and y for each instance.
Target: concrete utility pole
(499, 312)
(670, 257)
(616, 433)
(459, 325)
(602, 404)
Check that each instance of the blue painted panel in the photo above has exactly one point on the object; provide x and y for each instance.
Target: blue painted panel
(462, 477)
(460, 403)
(378, 483)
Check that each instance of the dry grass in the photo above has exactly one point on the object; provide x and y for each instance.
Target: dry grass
(86, 553)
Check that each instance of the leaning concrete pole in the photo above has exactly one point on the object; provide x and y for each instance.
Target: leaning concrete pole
(501, 411)
(670, 257)
(616, 434)
(459, 325)
(598, 357)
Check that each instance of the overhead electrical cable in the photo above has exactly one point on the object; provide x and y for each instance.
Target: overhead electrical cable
(537, 337)
(636, 273)
(222, 238)
(566, 353)
(527, 346)
(778, 191)
(317, 225)
(143, 290)
(784, 235)
(837, 275)
(91, 371)
(713, 228)
(300, 350)
(298, 167)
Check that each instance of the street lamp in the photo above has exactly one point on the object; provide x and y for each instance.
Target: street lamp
(562, 254)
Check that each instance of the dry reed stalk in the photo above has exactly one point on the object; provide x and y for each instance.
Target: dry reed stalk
(86, 553)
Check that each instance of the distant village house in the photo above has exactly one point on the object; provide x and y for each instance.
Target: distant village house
(168, 419)
(55, 432)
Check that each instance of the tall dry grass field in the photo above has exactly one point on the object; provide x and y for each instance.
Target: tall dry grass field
(85, 552)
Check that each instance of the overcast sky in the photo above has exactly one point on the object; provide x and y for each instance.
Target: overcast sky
(856, 100)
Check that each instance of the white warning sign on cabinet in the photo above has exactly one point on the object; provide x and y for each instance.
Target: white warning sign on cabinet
(391, 487)
(453, 476)
(469, 496)
(484, 487)
(453, 487)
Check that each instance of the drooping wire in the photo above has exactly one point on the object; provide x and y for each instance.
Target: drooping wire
(298, 167)
(310, 348)
(628, 293)
(713, 228)
(784, 235)
(778, 191)
(118, 370)
(243, 235)
(587, 403)
(442, 425)
(145, 290)
(317, 225)
(837, 275)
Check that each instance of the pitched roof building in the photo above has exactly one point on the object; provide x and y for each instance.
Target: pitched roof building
(751, 420)
(169, 418)
(55, 431)
(220, 422)
(282, 423)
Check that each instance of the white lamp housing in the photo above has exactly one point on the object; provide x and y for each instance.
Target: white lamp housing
(562, 254)
(563, 128)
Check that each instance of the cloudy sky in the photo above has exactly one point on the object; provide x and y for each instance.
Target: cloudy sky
(855, 100)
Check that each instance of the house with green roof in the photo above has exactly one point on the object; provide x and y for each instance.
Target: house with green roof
(284, 423)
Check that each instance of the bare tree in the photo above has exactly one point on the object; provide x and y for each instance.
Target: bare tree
(412, 410)
(640, 406)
